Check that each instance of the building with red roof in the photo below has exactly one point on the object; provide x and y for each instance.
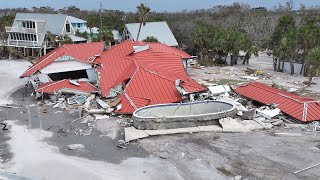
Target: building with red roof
(143, 74)
(300, 108)
(69, 61)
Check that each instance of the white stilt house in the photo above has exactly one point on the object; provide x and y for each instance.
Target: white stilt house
(28, 31)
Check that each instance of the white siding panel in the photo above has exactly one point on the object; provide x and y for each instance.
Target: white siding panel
(64, 66)
(92, 76)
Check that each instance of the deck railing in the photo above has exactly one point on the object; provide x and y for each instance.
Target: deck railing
(20, 30)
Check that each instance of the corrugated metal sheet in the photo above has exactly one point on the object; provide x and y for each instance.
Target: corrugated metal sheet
(167, 49)
(159, 47)
(56, 86)
(81, 52)
(152, 73)
(302, 109)
(147, 88)
(112, 65)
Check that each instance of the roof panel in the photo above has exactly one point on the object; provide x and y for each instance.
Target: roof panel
(289, 103)
(56, 86)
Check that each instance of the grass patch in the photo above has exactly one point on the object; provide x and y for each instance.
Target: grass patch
(226, 81)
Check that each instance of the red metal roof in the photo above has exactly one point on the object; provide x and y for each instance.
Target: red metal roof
(167, 49)
(56, 86)
(152, 75)
(159, 47)
(112, 65)
(84, 52)
(302, 109)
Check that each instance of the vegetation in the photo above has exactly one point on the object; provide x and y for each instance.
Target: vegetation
(215, 43)
(143, 12)
(150, 39)
(314, 63)
(104, 35)
(292, 42)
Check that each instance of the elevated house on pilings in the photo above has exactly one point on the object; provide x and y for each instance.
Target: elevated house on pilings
(28, 32)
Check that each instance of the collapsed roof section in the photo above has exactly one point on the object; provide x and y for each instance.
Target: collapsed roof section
(85, 52)
(146, 77)
(302, 109)
(66, 86)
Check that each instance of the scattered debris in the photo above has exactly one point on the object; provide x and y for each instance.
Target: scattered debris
(267, 112)
(98, 116)
(277, 122)
(102, 103)
(307, 168)
(80, 147)
(76, 100)
(237, 178)
(287, 134)
(249, 115)
(9, 106)
(74, 82)
(291, 90)
(220, 89)
(231, 125)
(249, 78)
(122, 144)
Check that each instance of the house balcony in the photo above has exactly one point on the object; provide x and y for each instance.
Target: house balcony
(20, 30)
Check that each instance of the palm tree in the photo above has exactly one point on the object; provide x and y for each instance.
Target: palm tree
(143, 12)
(314, 63)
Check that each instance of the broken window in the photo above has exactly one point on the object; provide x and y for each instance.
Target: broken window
(69, 75)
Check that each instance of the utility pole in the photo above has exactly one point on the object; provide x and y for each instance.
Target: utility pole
(100, 14)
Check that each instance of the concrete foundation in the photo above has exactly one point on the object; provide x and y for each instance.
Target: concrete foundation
(182, 115)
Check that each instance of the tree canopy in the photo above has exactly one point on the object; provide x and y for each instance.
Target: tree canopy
(211, 42)
(150, 39)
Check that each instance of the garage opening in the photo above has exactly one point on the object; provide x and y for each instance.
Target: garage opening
(69, 75)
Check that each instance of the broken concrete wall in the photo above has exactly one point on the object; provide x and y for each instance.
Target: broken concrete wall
(168, 116)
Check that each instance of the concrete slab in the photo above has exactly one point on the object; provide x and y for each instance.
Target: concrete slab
(212, 128)
(269, 114)
(132, 133)
(172, 131)
(252, 125)
(231, 125)
(261, 121)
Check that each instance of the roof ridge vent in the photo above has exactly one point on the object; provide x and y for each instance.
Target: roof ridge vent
(141, 48)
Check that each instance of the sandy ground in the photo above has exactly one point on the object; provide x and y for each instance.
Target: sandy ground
(262, 62)
(42, 154)
(10, 70)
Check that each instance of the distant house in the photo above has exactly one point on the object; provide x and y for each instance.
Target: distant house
(78, 24)
(116, 36)
(159, 30)
(29, 30)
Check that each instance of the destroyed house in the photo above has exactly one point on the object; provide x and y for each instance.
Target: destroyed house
(300, 108)
(69, 61)
(143, 74)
